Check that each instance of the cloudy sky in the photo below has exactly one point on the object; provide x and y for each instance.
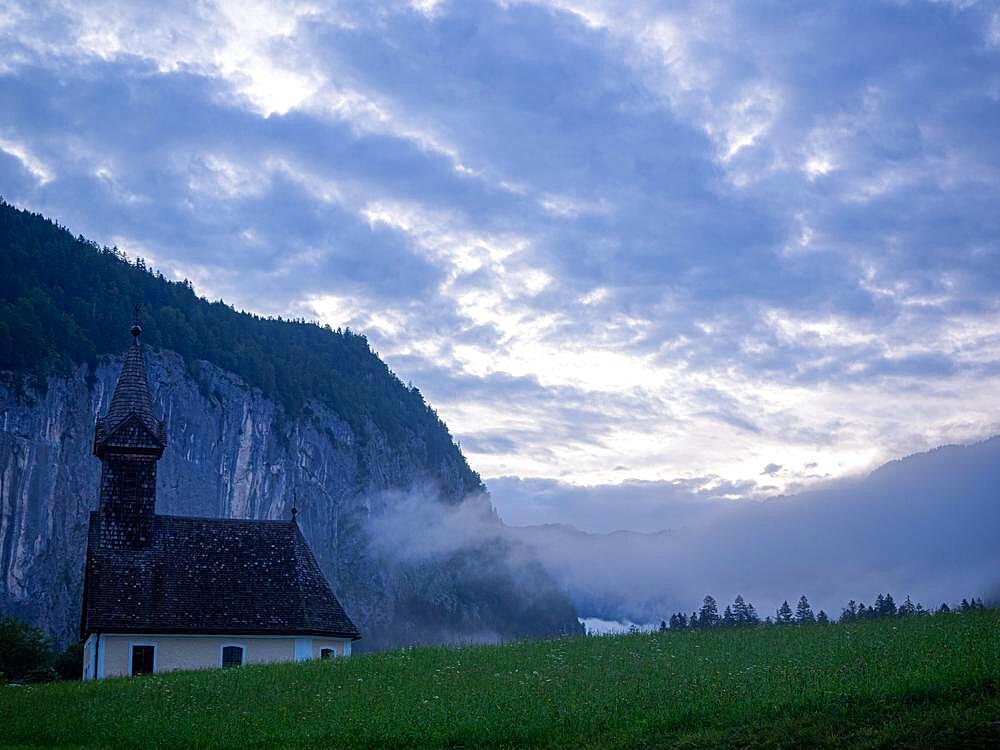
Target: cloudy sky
(660, 252)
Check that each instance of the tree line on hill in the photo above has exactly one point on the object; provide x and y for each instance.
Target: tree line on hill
(743, 614)
(67, 301)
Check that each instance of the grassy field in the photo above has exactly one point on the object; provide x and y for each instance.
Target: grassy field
(916, 682)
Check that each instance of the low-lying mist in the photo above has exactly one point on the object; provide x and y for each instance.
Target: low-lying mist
(458, 575)
(927, 526)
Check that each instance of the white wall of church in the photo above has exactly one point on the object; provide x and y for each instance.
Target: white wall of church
(173, 652)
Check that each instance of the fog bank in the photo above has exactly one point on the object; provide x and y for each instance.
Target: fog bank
(927, 525)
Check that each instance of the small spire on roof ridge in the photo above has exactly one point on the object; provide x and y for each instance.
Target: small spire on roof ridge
(136, 328)
(295, 513)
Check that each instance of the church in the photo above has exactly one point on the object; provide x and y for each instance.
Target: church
(172, 592)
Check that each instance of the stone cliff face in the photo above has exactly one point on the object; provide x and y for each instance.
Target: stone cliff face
(234, 453)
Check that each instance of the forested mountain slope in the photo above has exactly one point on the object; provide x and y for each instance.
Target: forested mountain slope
(66, 301)
(261, 415)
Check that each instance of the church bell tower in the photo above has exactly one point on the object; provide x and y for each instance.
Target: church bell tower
(129, 440)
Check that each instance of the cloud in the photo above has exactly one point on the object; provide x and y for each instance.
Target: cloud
(464, 572)
(647, 244)
(647, 506)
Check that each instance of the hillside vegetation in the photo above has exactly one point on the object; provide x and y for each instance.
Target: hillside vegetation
(65, 301)
(916, 682)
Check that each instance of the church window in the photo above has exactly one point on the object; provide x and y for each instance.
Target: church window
(327, 653)
(232, 656)
(143, 659)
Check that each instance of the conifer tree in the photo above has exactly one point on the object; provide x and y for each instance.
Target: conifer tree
(879, 605)
(739, 610)
(944, 609)
(888, 607)
(784, 614)
(822, 618)
(728, 618)
(708, 617)
(803, 612)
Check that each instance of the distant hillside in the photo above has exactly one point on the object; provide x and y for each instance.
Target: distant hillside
(262, 415)
(65, 301)
(926, 525)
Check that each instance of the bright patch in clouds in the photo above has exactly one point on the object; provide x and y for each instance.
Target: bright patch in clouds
(29, 161)
(739, 248)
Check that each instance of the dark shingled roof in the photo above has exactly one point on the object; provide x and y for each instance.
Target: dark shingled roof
(203, 575)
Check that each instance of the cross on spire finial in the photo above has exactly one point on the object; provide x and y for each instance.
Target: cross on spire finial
(136, 328)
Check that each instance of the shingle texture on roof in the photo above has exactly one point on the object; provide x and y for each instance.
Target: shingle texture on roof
(202, 575)
(131, 396)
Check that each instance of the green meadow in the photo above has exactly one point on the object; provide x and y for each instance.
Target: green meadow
(912, 682)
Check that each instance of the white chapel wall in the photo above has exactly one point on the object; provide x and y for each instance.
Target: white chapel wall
(192, 652)
(175, 652)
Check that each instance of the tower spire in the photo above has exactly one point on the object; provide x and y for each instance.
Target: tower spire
(131, 394)
(129, 440)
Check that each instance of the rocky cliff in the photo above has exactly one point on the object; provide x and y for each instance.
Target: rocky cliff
(233, 452)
